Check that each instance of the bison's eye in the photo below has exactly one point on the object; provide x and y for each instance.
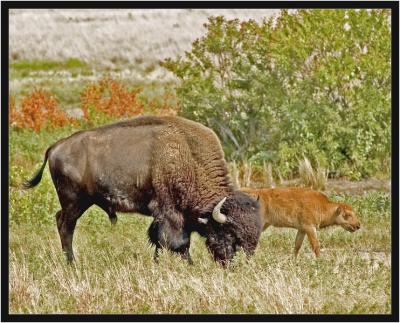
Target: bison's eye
(346, 216)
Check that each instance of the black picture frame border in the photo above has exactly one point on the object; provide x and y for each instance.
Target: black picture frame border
(6, 5)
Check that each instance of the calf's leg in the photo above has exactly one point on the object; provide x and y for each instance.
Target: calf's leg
(312, 237)
(299, 241)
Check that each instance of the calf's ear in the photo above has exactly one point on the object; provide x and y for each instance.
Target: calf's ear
(339, 210)
(258, 198)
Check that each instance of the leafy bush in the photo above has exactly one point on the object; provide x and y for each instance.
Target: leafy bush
(109, 99)
(38, 110)
(312, 83)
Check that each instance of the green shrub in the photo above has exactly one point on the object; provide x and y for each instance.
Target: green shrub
(313, 83)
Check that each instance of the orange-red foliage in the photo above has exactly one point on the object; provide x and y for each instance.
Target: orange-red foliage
(167, 106)
(112, 98)
(37, 110)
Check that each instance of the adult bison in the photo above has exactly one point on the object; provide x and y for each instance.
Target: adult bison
(167, 167)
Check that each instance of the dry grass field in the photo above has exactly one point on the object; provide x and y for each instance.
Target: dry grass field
(111, 37)
(115, 271)
(64, 50)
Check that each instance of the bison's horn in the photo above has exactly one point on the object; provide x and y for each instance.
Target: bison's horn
(217, 215)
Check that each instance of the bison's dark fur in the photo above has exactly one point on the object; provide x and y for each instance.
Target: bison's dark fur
(167, 167)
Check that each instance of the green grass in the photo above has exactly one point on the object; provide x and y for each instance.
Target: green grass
(57, 77)
(46, 65)
(115, 271)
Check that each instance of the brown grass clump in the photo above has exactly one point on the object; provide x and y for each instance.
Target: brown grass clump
(306, 172)
(235, 174)
(110, 97)
(268, 177)
(247, 174)
(309, 177)
(39, 109)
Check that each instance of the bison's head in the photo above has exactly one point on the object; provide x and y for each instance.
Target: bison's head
(235, 224)
(346, 218)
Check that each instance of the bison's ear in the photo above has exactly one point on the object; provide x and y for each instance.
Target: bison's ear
(258, 198)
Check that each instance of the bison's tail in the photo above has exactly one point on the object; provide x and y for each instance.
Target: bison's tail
(38, 176)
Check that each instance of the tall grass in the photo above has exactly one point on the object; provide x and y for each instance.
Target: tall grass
(115, 271)
(268, 176)
(316, 179)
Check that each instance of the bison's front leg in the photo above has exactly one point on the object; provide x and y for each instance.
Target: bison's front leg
(165, 233)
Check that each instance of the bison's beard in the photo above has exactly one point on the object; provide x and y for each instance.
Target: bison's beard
(222, 246)
(224, 243)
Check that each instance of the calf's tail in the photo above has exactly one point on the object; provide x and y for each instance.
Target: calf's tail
(38, 176)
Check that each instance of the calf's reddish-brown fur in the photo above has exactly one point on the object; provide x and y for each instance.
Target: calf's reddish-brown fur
(302, 209)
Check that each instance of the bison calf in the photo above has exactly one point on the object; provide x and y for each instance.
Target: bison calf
(303, 209)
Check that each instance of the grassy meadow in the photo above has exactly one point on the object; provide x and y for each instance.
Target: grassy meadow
(115, 272)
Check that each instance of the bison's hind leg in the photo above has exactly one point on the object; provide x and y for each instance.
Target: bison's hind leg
(66, 222)
(73, 204)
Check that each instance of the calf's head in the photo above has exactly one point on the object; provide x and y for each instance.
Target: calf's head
(346, 218)
(235, 225)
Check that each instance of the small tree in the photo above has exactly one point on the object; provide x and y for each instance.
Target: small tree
(313, 82)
